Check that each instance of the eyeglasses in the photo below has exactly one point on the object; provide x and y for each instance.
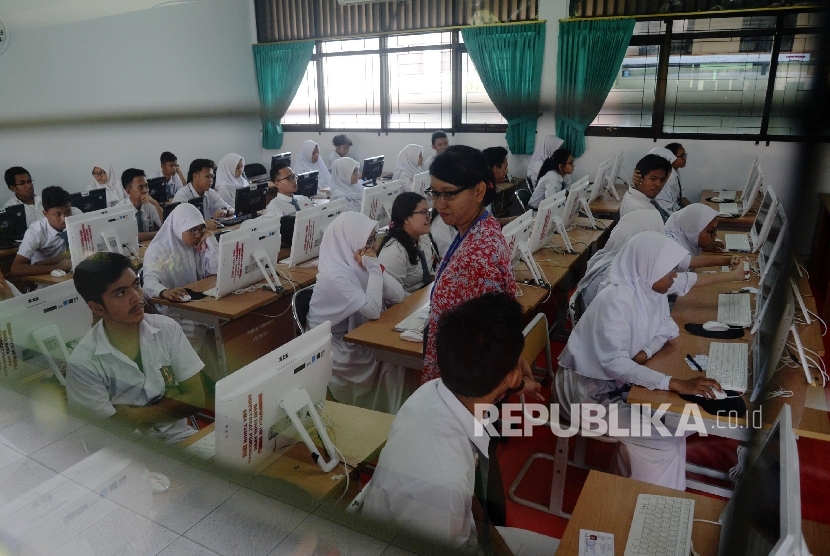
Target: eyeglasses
(99, 174)
(448, 196)
(197, 231)
(25, 182)
(426, 213)
(570, 162)
(684, 156)
(371, 241)
(292, 177)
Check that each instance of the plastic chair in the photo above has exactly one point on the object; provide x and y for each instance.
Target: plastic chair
(300, 303)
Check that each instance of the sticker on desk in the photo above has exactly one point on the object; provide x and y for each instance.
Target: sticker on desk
(594, 543)
(702, 360)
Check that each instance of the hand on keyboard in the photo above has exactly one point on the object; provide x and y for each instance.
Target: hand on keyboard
(698, 386)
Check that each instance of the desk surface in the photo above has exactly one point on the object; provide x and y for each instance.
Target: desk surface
(606, 203)
(741, 222)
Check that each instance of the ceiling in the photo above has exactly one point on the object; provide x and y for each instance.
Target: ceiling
(31, 14)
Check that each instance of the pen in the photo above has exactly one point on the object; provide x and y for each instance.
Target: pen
(691, 360)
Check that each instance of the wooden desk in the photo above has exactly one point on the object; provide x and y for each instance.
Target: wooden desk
(49, 280)
(820, 268)
(741, 223)
(606, 206)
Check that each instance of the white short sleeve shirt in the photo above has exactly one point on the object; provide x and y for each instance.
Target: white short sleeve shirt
(33, 212)
(281, 205)
(211, 204)
(41, 242)
(634, 200)
(148, 214)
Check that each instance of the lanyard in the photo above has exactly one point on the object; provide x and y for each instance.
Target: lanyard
(453, 247)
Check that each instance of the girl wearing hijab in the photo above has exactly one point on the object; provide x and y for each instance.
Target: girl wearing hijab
(625, 326)
(544, 150)
(410, 162)
(695, 228)
(407, 252)
(345, 178)
(103, 177)
(310, 161)
(351, 289)
(554, 176)
(229, 177)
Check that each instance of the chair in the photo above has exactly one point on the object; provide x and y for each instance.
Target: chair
(522, 196)
(300, 302)
(255, 170)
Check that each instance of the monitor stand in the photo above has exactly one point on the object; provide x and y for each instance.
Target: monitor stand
(112, 241)
(609, 185)
(586, 209)
(801, 355)
(532, 265)
(300, 401)
(51, 344)
(800, 299)
(268, 270)
(560, 227)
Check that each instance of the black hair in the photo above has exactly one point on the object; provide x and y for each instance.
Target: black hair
(276, 170)
(94, 274)
(128, 175)
(651, 162)
(402, 208)
(167, 156)
(495, 156)
(674, 147)
(438, 135)
(54, 196)
(14, 171)
(464, 167)
(559, 156)
(478, 343)
(340, 140)
(197, 166)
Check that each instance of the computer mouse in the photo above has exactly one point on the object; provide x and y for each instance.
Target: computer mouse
(715, 326)
(412, 336)
(717, 200)
(220, 225)
(58, 273)
(718, 395)
(159, 482)
(184, 298)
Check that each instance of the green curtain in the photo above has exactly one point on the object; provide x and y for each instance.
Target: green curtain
(590, 55)
(279, 70)
(509, 61)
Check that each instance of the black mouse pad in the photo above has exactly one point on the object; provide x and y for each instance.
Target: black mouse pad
(725, 406)
(731, 334)
(194, 296)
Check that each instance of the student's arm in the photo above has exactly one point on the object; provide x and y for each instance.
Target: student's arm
(394, 259)
(374, 288)
(701, 261)
(184, 401)
(393, 291)
(24, 267)
(147, 199)
(222, 208)
(146, 236)
(737, 274)
(154, 288)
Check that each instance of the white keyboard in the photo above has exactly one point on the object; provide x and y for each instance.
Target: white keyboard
(734, 309)
(727, 195)
(729, 365)
(417, 321)
(662, 526)
(729, 208)
(737, 242)
(204, 448)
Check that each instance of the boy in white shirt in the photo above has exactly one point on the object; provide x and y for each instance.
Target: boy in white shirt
(671, 197)
(440, 142)
(342, 144)
(172, 174)
(286, 203)
(148, 212)
(655, 171)
(199, 181)
(20, 183)
(139, 369)
(45, 246)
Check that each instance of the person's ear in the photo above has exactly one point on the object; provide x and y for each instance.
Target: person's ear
(481, 190)
(96, 308)
(512, 379)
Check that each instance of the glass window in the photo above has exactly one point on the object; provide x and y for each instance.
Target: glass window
(355, 45)
(428, 39)
(793, 83)
(630, 102)
(476, 106)
(303, 109)
(420, 89)
(352, 89)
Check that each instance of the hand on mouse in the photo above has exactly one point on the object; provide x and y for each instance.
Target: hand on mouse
(65, 265)
(211, 224)
(174, 294)
(696, 386)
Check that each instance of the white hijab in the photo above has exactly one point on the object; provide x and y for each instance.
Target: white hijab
(627, 302)
(341, 182)
(685, 225)
(226, 172)
(174, 263)
(304, 164)
(115, 191)
(542, 152)
(407, 164)
(341, 282)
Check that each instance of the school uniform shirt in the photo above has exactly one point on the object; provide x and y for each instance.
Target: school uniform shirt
(412, 277)
(442, 234)
(669, 196)
(550, 184)
(42, 241)
(33, 212)
(173, 184)
(635, 200)
(99, 376)
(146, 215)
(283, 205)
(428, 162)
(211, 204)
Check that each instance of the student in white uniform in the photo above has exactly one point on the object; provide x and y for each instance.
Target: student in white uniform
(229, 177)
(641, 196)
(345, 183)
(409, 162)
(407, 252)
(199, 180)
(351, 289)
(7, 289)
(671, 196)
(342, 144)
(286, 202)
(45, 246)
(625, 326)
(695, 228)
(554, 176)
(136, 368)
(148, 212)
(439, 143)
(426, 477)
(543, 151)
(310, 161)
(103, 177)
(21, 185)
(172, 174)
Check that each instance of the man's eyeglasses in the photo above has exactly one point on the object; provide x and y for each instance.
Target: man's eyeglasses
(292, 177)
(448, 196)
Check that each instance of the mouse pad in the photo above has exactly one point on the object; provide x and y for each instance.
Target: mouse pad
(731, 334)
(194, 296)
(713, 406)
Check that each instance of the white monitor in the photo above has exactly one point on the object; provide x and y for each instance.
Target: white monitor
(615, 173)
(254, 405)
(751, 192)
(377, 201)
(113, 229)
(769, 341)
(248, 255)
(775, 239)
(420, 183)
(773, 273)
(548, 221)
(573, 204)
(763, 220)
(516, 233)
(599, 185)
(750, 180)
(35, 329)
(309, 225)
(764, 514)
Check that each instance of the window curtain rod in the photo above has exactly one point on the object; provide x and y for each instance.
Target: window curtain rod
(701, 15)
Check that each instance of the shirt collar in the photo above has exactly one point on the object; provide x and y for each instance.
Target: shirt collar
(284, 197)
(638, 194)
(465, 418)
(102, 341)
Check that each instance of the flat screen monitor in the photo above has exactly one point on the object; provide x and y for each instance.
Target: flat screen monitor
(114, 229)
(545, 223)
(158, 189)
(372, 169)
(251, 423)
(600, 182)
(770, 339)
(572, 204)
(775, 240)
(518, 232)
(420, 183)
(250, 200)
(309, 225)
(307, 184)
(281, 158)
(240, 255)
(616, 168)
(754, 169)
(763, 220)
(89, 201)
(377, 201)
(751, 193)
(774, 272)
(12, 225)
(198, 202)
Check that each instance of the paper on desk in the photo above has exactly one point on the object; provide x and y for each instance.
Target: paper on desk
(595, 543)
(702, 360)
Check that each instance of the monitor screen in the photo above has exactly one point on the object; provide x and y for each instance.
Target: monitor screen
(158, 189)
(197, 202)
(572, 202)
(251, 200)
(237, 263)
(763, 211)
(281, 158)
(307, 184)
(372, 168)
(775, 238)
(12, 225)
(90, 201)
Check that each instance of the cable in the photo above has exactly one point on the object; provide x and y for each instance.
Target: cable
(824, 324)
(708, 521)
(779, 393)
(346, 469)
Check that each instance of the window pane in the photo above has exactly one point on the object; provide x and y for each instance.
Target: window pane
(716, 88)
(351, 45)
(476, 106)
(429, 39)
(631, 100)
(352, 86)
(793, 82)
(649, 27)
(420, 89)
(303, 109)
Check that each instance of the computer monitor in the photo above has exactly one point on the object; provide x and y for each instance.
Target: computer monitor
(599, 185)
(256, 407)
(750, 180)
(250, 200)
(749, 194)
(573, 203)
(158, 189)
(198, 202)
(12, 225)
(89, 201)
(307, 184)
(764, 514)
(763, 220)
(770, 340)
(35, 329)
(114, 229)
(372, 169)
(548, 221)
(615, 173)
(281, 158)
(248, 255)
(775, 239)
(516, 233)
(309, 225)
(377, 201)
(420, 183)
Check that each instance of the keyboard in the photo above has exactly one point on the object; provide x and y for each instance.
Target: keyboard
(729, 365)
(729, 208)
(727, 195)
(735, 309)
(233, 221)
(662, 526)
(737, 242)
(417, 321)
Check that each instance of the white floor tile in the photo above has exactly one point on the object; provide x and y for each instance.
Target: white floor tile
(186, 547)
(77, 446)
(121, 533)
(22, 482)
(14, 407)
(8, 456)
(41, 429)
(321, 537)
(395, 551)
